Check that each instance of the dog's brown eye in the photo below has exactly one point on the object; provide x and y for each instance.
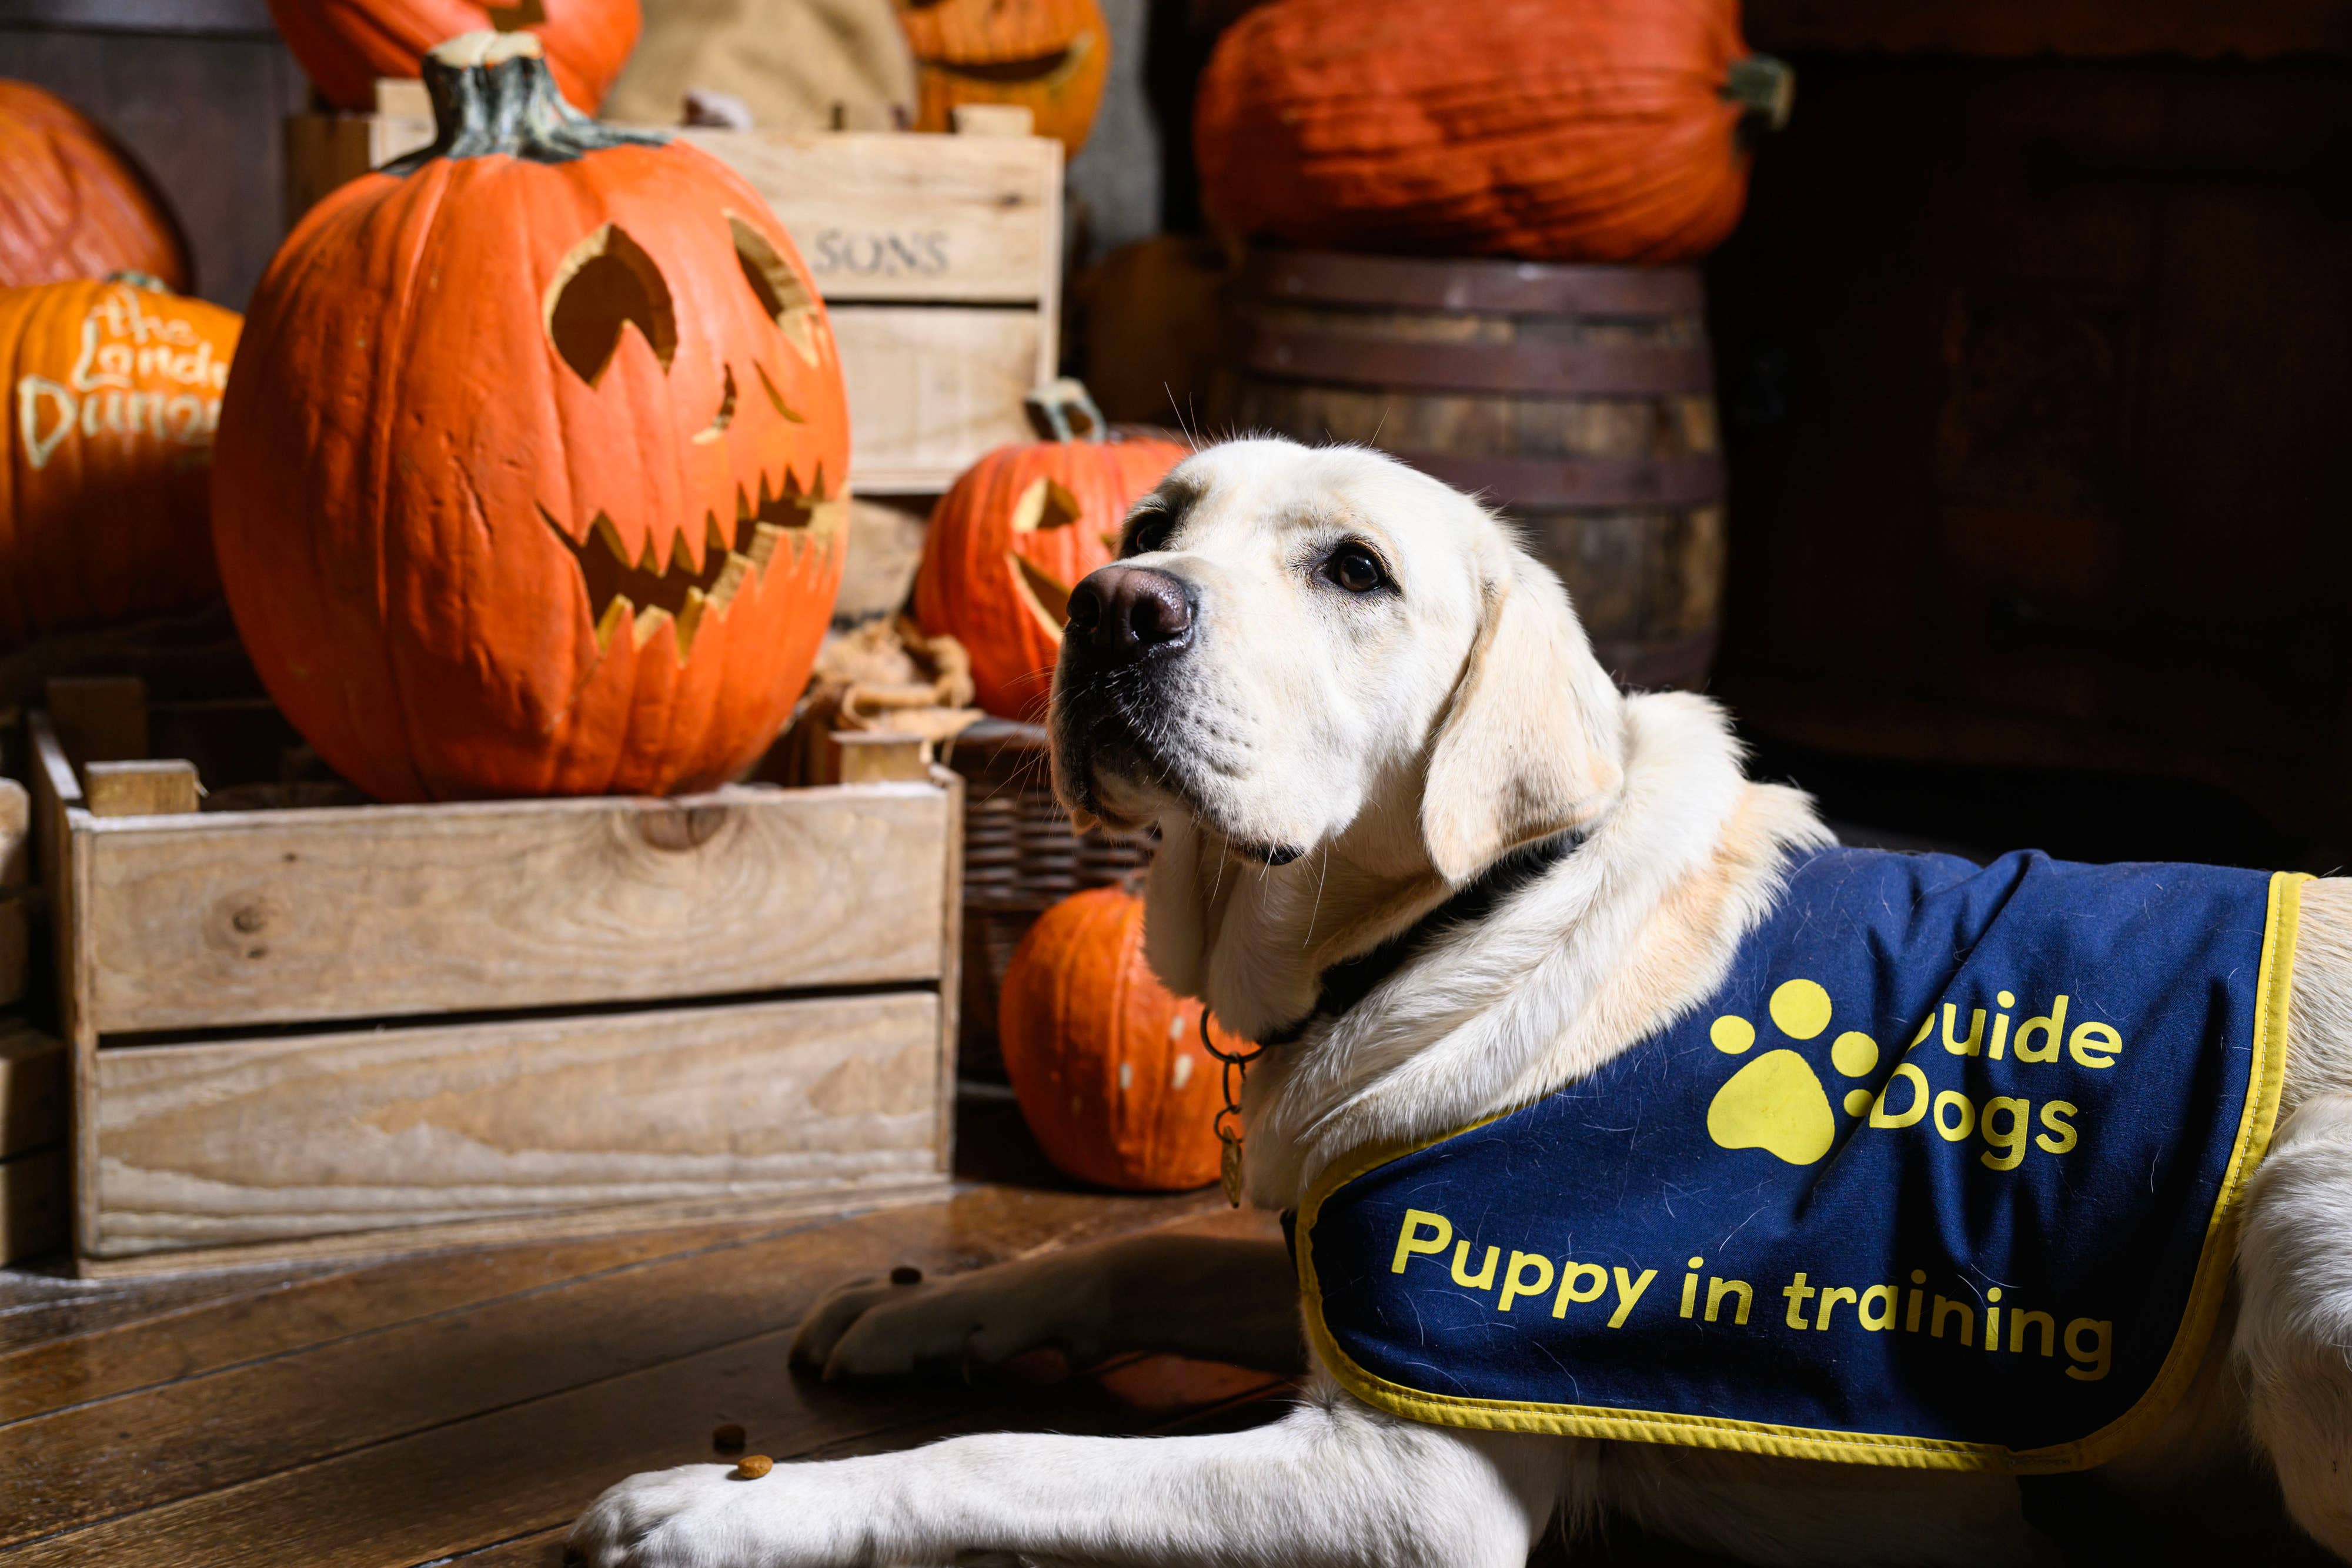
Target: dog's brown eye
(1150, 534)
(1354, 567)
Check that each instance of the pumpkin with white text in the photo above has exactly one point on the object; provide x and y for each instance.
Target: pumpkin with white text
(1107, 1063)
(1049, 57)
(113, 390)
(530, 479)
(1016, 532)
(73, 205)
(344, 45)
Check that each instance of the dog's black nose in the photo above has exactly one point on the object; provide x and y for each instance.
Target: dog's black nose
(1125, 611)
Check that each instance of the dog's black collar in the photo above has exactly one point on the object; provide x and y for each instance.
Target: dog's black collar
(1350, 981)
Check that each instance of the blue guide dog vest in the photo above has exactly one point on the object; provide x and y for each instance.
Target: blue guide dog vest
(1942, 1176)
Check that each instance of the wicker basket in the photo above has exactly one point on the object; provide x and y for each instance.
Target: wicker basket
(1021, 857)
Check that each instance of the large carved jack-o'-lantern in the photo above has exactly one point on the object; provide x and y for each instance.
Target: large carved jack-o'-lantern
(1049, 57)
(528, 478)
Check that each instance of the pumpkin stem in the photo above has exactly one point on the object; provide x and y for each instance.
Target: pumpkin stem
(1764, 86)
(1065, 411)
(491, 93)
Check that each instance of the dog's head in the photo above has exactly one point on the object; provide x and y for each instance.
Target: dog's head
(1320, 649)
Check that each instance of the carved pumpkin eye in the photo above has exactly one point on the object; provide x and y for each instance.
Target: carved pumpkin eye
(783, 296)
(608, 282)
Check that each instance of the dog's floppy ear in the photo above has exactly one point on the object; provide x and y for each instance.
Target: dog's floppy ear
(1532, 742)
(1175, 919)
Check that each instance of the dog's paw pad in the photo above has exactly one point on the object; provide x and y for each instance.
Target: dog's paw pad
(1775, 1103)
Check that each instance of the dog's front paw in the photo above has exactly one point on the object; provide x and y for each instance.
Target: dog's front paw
(709, 1516)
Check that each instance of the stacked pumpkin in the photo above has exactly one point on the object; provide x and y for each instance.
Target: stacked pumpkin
(113, 383)
(1049, 57)
(1607, 130)
(1111, 1069)
(76, 206)
(576, 527)
(1015, 534)
(343, 46)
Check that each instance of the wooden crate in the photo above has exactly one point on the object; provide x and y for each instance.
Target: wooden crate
(939, 258)
(297, 1031)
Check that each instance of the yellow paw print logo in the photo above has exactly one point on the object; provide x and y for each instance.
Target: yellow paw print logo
(1775, 1102)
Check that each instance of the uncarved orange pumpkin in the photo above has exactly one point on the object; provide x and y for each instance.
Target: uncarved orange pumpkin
(1049, 57)
(530, 477)
(73, 203)
(1605, 130)
(344, 45)
(113, 390)
(1010, 540)
(1107, 1064)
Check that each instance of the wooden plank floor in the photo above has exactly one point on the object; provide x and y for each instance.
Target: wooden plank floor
(466, 1405)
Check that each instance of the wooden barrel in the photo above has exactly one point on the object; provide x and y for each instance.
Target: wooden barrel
(1577, 399)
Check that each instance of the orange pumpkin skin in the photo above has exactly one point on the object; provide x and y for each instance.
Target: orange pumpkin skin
(76, 206)
(113, 390)
(1107, 1064)
(1588, 132)
(426, 486)
(344, 45)
(1056, 504)
(1049, 57)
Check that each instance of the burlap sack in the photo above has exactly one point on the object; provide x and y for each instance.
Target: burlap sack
(789, 60)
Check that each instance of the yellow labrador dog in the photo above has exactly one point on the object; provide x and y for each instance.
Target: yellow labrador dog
(1341, 690)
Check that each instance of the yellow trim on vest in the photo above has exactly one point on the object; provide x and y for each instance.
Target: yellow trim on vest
(2266, 1077)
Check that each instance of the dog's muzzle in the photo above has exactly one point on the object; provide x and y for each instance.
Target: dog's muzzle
(1129, 627)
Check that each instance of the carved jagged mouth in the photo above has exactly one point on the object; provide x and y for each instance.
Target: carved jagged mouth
(646, 592)
(1050, 69)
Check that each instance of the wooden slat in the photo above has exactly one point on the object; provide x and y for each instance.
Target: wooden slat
(57, 809)
(967, 219)
(1462, 283)
(15, 943)
(32, 1089)
(15, 833)
(143, 788)
(34, 1220)
(86, 1342)
(654, 1355)
(930, 389)
(269, 1140)
(379, 910)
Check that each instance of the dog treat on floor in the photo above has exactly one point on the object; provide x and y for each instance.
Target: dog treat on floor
(751, 1467)
(727, 1438)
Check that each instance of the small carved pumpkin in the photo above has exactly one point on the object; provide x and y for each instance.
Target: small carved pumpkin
(1015, 534)
(114, 393)
(344, 45)
(1049, 57)
(529, 477)
(1604, 130)
(1106, 1062)
(74, 205)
